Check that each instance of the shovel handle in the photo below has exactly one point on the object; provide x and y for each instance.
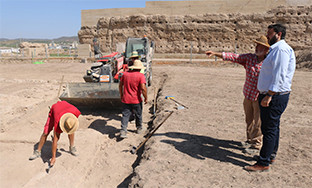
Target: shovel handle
(179, 103)
(155, 95)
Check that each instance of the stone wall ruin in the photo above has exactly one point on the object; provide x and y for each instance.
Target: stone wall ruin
(231, 32)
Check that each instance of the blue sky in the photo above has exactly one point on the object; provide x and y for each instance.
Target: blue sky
(49, 19)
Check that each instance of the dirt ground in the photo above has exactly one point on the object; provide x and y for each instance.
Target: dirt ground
(196, 146)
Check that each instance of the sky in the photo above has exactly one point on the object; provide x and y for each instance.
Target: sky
(50, 19)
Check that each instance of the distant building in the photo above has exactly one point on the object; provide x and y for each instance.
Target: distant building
(52, 45)
(5, 50)
(34, 49)
(74, 45)
(9, 50)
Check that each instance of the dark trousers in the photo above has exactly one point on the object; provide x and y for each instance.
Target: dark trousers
(270, 126)
(127, 110)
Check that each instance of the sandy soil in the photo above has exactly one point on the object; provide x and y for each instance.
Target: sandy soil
(195, 147)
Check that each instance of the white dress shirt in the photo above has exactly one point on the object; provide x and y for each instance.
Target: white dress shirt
(278, 68)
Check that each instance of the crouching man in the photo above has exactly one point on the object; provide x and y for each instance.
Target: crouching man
(63, 117)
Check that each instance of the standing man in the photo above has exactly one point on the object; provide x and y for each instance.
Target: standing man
(63, 117)
(134, 56)
(131, 86)
(96, 46)
(252, 64)
(274, 85)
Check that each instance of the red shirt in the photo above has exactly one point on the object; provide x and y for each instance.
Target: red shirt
(55, 114)
(252, 66)
(132, 87)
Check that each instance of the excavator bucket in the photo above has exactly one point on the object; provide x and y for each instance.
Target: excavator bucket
(93, 95)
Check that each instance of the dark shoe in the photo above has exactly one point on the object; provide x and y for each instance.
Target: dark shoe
(123, 134)
(256, 167)
(256, 158)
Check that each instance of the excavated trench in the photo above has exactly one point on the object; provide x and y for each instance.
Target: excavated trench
(156, 116)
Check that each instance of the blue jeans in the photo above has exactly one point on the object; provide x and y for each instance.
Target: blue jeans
(270, 126)
(127, 110)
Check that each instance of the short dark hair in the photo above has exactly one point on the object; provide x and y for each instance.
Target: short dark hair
(278, 28)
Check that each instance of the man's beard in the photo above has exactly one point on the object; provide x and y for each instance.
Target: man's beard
(273, 40)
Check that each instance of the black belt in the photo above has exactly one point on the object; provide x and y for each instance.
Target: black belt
(276, 93)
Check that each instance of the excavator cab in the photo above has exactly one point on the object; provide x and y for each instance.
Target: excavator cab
(145, 49)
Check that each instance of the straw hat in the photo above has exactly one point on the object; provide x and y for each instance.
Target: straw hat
(134, 54)
(69, 123)
(263, 41)
(137, 65)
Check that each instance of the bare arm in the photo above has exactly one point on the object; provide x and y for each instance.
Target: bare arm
(144, 92)
(56, 137)
(211, 53)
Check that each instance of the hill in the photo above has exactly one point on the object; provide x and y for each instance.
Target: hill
(15, 42)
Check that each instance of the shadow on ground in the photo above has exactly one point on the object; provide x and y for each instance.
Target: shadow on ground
(111, 114)
(201, 147)
(46, 151)
(101, 126)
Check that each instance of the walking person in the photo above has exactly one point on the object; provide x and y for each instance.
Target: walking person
(274, 85)
(63, 117)
(131, 86)
(252, 63)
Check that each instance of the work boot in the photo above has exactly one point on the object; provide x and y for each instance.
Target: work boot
(140, 130)
(73, 151)
(123, 134)
(256, 167)
(35, 155)
(245, 144)
(250, 150)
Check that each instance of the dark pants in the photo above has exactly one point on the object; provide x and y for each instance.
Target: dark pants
(126, 113)
(270, 126)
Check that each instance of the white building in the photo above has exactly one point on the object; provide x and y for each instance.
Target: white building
(9, 50)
